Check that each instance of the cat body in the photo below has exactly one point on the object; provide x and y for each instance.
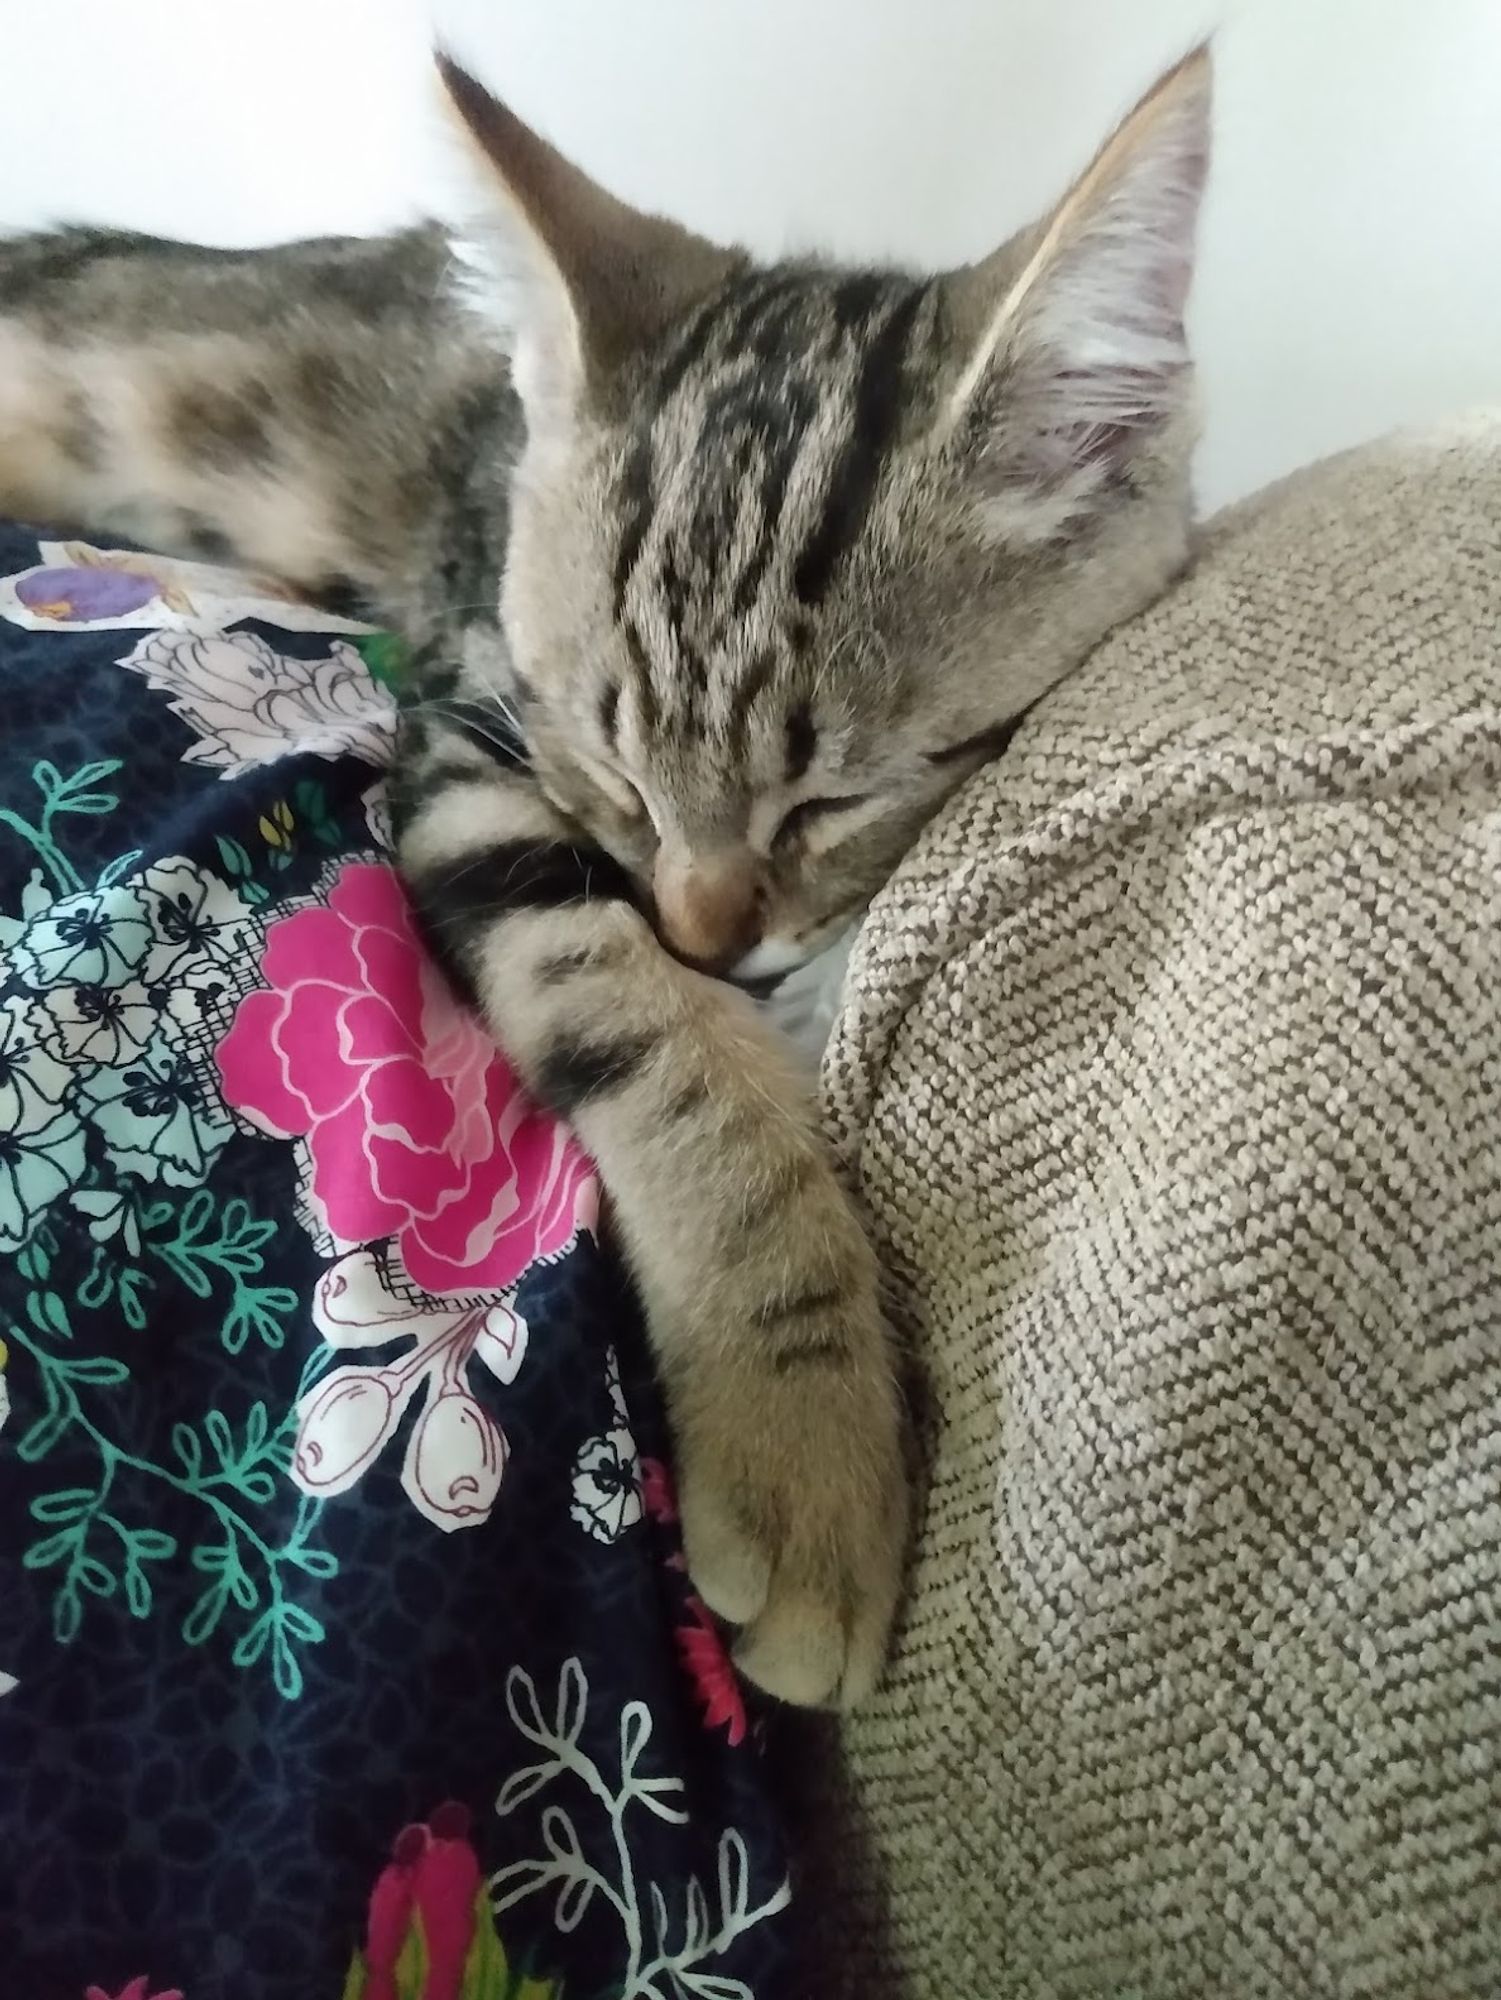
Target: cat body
(718, 579)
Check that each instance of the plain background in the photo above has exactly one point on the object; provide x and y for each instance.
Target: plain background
(1350, 269)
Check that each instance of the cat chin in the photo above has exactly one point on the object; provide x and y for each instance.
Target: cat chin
(772, 959)
(806, 998)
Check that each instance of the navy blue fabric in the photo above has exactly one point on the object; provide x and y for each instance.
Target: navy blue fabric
(212, 1758)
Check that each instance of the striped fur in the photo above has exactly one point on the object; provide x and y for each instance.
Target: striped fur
(720, 579)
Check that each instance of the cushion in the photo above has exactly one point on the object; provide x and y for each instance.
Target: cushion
(1169, 1074)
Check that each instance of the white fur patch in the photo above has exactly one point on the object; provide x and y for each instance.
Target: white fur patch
(804, 1006)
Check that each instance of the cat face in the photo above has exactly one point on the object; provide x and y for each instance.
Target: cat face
(792, 546)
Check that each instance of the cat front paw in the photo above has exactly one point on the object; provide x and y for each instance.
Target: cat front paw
(794, 1497)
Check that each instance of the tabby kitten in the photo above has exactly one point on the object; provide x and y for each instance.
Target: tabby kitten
(720, 578)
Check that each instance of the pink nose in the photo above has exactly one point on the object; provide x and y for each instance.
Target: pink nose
(708, 910)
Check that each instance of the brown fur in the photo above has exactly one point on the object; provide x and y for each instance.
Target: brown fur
(720, 580)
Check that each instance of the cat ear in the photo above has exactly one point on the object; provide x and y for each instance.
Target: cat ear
(574, 281)
(1078, 361)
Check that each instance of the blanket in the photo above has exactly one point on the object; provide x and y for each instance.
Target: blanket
(1170, 1078)
(346, 1647)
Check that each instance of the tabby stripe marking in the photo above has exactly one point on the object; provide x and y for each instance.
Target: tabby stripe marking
(877, 406)
(823, 1350)
(752, 686)
(575, 1073)
(437, 775)
(648, 708)
(609, 712)
(469, 892)
(801, 1305)
(988, 742)
(490, 731)
(780, 1188)
(635, 491)
(566, 965)
(802, 741)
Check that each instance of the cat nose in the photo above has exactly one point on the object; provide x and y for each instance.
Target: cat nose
(708, 908)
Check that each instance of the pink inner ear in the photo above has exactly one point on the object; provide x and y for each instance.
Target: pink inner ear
(1044, 426)
(1140, 398)
(1093, 361)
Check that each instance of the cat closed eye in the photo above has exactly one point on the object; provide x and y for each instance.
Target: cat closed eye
(620, 793)
(630, 801)
(809, 811)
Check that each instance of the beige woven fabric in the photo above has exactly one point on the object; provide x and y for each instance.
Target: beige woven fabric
(1170, 1073)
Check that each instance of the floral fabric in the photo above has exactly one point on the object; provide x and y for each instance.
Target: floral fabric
(345, 1644)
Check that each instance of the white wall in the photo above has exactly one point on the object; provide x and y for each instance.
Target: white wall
(1351, 263)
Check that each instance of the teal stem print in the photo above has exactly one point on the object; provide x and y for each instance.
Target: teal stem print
(230, 1471)
(59, 796)
(110, 1121)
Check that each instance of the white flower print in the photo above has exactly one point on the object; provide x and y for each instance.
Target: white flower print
(669, 1939)
(378, 815)
(8, 1683)
(110, 1036)
(35, 898)
(198, 922)
(456, 1454)
(249, 705)
(100, 1024)
(607, 1486)
(32, 1081)
(95, 938)
(607, 1496)
(111, 1214)
(158, 1120)
(35, 1169)
(41, 1140)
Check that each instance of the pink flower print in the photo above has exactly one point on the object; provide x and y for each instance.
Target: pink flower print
(432, 1881)
(445, 1887)
(708, 1666)
(136, 1990)
(657, 1496)
(391, 1914)
(456, 1454)
(416, 1126)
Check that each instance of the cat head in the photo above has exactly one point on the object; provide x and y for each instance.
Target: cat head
(791, 544)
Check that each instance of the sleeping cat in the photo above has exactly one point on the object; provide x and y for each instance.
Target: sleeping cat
(719, 579)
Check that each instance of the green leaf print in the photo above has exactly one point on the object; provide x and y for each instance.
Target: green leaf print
(35, 1261)
(115, 870)
(311, 802)
(121, 1284)
(65, 1505)
(48, 1314)
(385, 655)
(487, 1976)
(36, 1442)
(240, 869)
(411, 1966)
